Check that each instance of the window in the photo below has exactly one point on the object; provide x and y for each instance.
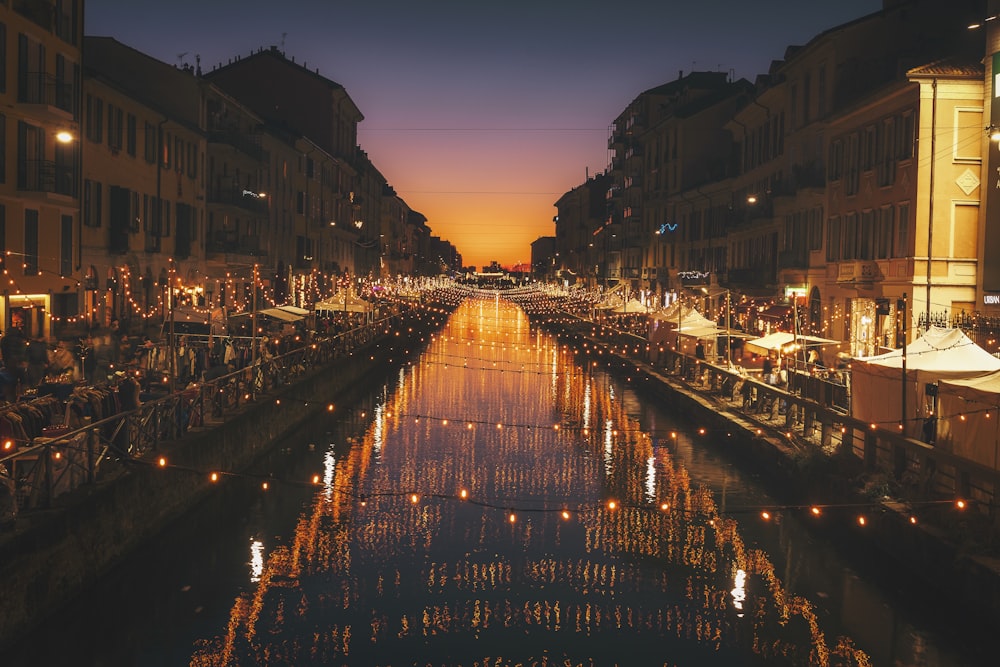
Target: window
(3, 148)
(165, 151)
(806, 90)
(30, 70)
(134, 212)
(66, 245)
(91, 203)
(904, 146)
(3, 50)
(30, 157)
(30, 242)
(178, 156)
(149, 143)
(3, 237)
(130, 135)
(94, 125)
(885, 229)
(821, 91)
(793, 106)
(165, 222)
(815, 241)
(902, 248)
(115, 129)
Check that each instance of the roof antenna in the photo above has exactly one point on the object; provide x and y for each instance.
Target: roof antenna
(283, 35)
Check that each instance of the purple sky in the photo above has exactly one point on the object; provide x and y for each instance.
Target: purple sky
(481, 113)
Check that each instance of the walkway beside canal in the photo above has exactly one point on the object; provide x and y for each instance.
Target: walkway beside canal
(123, 494)
(924, 509)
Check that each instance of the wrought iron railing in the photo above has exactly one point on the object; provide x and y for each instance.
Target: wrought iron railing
(46, 467)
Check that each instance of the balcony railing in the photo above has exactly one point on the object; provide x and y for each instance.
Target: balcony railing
(46, 176)
(246, 144)
(232, 244)
(243, 198)
(858, 271)
(43, 88)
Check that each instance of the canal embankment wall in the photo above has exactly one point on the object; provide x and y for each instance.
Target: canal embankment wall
(54, 555)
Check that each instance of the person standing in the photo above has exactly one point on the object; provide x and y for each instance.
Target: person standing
(38, 360)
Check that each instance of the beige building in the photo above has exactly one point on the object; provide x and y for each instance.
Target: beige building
(143, 203)
(40, 90)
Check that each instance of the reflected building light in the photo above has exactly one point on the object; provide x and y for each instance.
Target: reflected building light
(651, 479)
(329, 466)
(739, 591)
(377, 432)
(586, 407)
(402, 378)
(608, 452)
(256, 560)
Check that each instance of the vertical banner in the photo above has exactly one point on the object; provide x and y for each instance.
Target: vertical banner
(991, 242)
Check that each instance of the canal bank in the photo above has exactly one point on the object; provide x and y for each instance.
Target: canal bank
(803, 474)
(52, 555)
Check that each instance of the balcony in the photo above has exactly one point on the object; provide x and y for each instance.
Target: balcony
(617, 139)
(42, 89)
(46, 176)
(230, 244)
(39, 12)
(247, 200)
(633, 152)
(858, 271)
(797, 258)
(247, 144)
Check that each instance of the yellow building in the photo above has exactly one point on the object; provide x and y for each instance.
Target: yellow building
(40, 163)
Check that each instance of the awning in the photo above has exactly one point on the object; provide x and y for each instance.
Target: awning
(295, 310)
(280, 314)
(780, 339)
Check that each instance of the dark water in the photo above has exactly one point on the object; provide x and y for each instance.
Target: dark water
(464, 516)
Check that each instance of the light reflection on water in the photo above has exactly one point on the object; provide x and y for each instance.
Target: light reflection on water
(389, 565)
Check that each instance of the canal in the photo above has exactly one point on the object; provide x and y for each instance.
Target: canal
(496, 502)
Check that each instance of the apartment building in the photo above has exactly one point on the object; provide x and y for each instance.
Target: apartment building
(581, 213)
(319, 109)
(40, 186)
(144, 185)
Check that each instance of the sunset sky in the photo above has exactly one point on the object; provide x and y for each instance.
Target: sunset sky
(481, 114)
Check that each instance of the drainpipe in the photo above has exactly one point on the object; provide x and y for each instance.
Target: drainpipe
(930, 205)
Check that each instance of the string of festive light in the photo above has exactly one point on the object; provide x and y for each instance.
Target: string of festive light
(861, 511)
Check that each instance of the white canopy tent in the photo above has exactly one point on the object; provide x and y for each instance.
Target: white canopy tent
(343, 303)
(968, 422)
(280, 314)
(939, 354)
(664, 328)
(780, 340)
(631, 307)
